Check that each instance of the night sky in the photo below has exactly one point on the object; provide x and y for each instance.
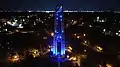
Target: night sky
(68, 4)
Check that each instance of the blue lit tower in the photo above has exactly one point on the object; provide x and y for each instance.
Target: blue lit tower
(58, 49)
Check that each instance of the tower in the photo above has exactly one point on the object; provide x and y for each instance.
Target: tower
(58, 49)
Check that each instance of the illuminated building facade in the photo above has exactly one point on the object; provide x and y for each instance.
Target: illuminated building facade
(58, 49)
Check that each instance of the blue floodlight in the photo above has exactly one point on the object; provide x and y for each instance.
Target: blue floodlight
(57, 18)
(61, 20)
(60, 16)
(59, 41)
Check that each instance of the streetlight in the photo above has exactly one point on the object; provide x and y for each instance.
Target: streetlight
(78, 37)
(109, 65)
(52, 34)
(84, 34)
(75, 34)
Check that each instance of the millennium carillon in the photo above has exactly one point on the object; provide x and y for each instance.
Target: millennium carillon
(58, 50)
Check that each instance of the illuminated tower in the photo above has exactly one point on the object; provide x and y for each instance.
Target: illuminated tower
(58, 49)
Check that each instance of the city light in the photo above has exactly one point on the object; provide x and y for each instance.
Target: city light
(84, 50)
(84, 34)
(90, 25)
(52, 34)
(14, 58)
(98, 49)
(109, 65)
(69, 47)
(68, 56)
(75, 34)
(35, 53)
(78, 37)
(85, 31)
(69, 50)
(100, 65)
(73, 58)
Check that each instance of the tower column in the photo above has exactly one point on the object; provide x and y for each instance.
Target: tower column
(59, 38)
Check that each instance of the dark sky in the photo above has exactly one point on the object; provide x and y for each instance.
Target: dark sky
(68, 4)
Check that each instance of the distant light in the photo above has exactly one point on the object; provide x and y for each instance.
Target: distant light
(60, 19)
(84, 34)
(44, 37)
(16, 20)
(68, 13)
(15, 56)
(42, 22)
(8, 42)
(78, 37)
(47, 11)
(4, 23)
(69, 50)
(109, 65)
(75, 34)
(34, 23)
(100, 65)
(73, 58)
(69, 47)
(6, 30)
(60, 37)
(119, 31)
(52, 34)
(8, 48)
(20, 26)
(55, 31)
(74, 22)
(99, 49)
(98, 18)
(23, 20)
(90, 25)
(85, 41)
(60, 16)
(29, 11)
(57, 18)
(8, 22)
(24, 32)
(62, 31)
(68, 56)
(116, 33)
(49, 17)
(103, 21)
(84, 50)
(16, 30)
(28, 16)
(104, 30)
